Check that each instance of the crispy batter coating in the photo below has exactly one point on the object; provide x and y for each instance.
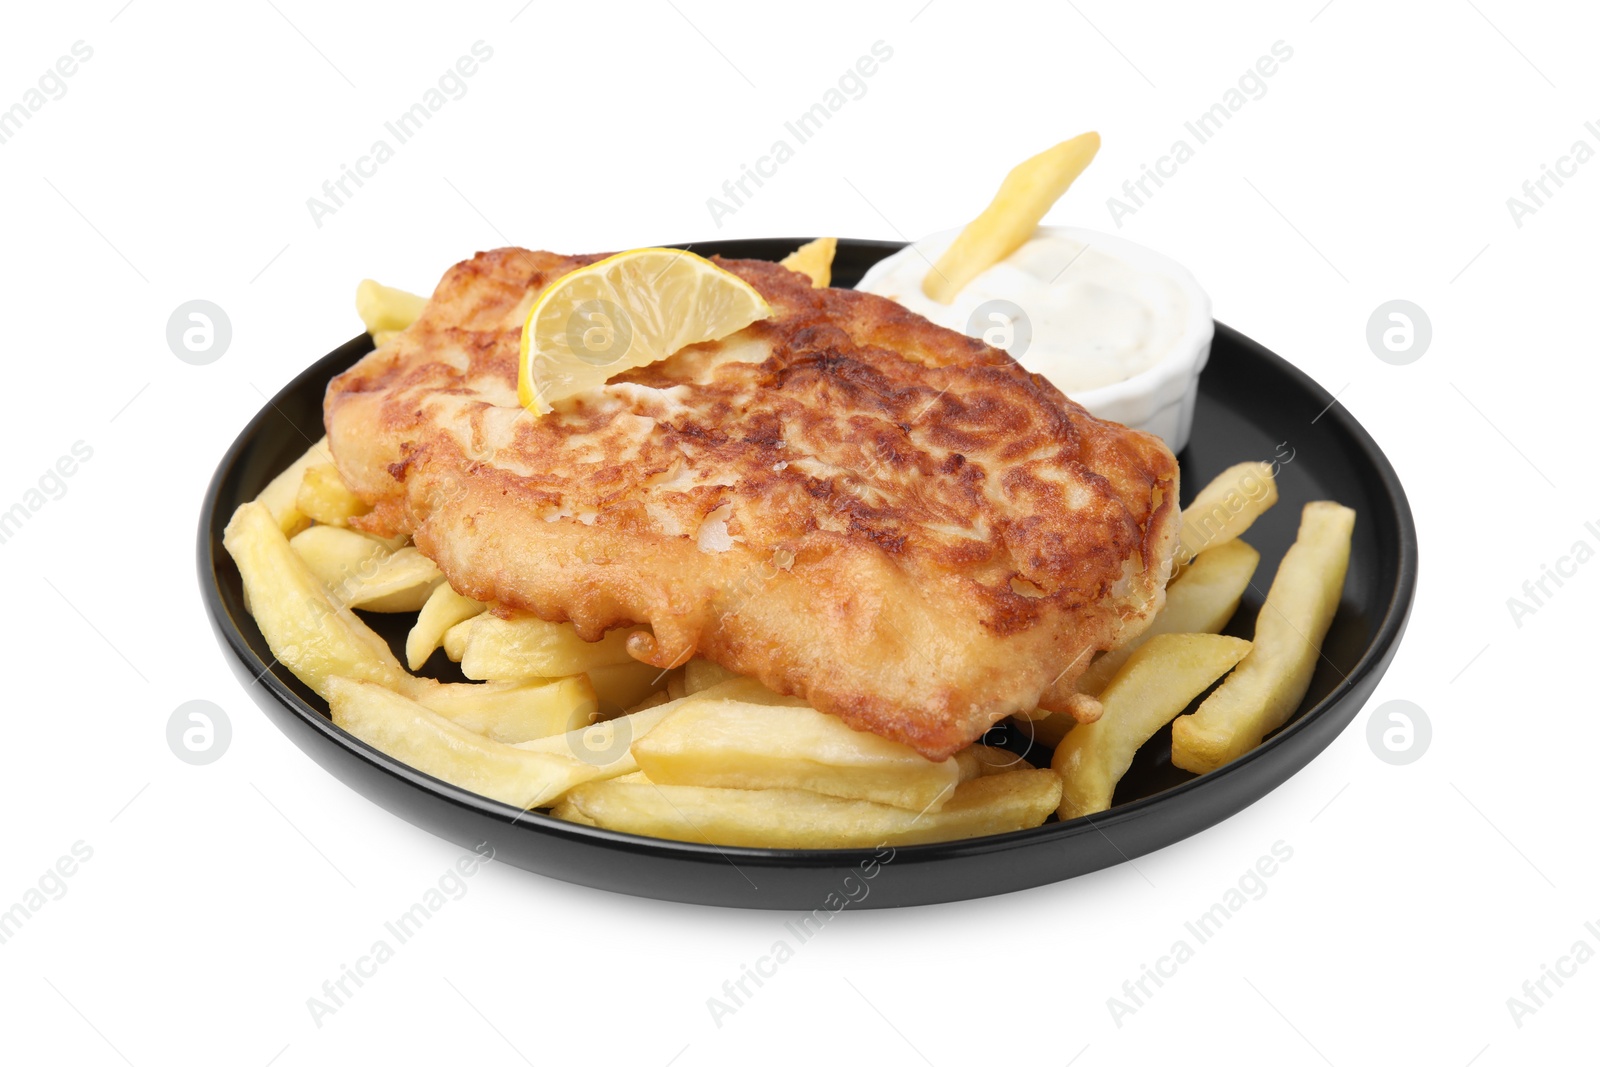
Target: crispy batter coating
(887, 518)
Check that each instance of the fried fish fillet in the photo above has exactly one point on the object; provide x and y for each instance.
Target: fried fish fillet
(853, 505)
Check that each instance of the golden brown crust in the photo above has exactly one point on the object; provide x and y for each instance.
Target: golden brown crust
(845, 501)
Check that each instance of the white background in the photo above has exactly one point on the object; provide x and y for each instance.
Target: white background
(1377, 166)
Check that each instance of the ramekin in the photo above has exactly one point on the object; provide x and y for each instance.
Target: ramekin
(1160, 399)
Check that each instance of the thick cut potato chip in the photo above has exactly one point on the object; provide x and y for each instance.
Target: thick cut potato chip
(1201, 600)
(749, 691)
(608, 745)
(511, 712)
(1050, 727)
(455, 640)
(309, 631)
(318, 638)
(386, 311)
(1266, 687)
(402, 581)
(323, 496)
(404, 729)
(526, 646)
(814, 259)
(444, 608)
(978, 760)
(701, 674)
(795, 818)
(1011, 217)
(338, 556)
(528, 775)
(366, 572)
(719, 742)
(1156, 684)
(1226, 508)
(282, 494)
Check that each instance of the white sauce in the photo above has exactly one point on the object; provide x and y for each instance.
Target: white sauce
(1078, 314)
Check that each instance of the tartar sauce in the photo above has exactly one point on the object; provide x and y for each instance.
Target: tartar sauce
(1075, 306)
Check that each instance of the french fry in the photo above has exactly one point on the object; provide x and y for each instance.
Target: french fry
(455, 640)
(386, 311)
(979, 760)
(511, 712)
(323, 496)
(404, 729)
(701, 674)
(281, 496)
(309, 632)
(608, 743)
(813, 259)
(1049, 727)
(444, 608)
(795, 818)
(1157, 683)
(337, 555)
(1225, 508)
(526, 646)
(1011, 217)
(319, 638)
(1201, 600)
(750, 691)
(1267, 686)
(365, 572)
(730, 743)
(403, 581)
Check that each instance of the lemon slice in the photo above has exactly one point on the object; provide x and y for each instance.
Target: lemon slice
(626, 311)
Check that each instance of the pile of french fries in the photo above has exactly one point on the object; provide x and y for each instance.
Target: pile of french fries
(550, 721)
(1152, 678)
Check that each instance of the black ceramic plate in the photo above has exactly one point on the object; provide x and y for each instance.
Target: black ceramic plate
(1253, 405)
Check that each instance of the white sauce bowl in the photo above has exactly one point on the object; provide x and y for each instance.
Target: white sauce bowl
(1121, 329)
